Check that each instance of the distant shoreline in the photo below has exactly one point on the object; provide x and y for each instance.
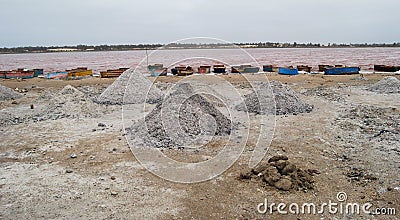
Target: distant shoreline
(100, 48)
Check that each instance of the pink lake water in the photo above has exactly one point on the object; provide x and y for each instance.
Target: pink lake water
(99, 61)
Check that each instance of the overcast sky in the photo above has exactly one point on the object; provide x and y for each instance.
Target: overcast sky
(93, 22)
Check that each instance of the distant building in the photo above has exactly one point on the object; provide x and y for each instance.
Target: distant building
(249, 46)
(62, 50)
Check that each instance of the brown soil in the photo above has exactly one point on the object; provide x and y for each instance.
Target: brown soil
(78, 168)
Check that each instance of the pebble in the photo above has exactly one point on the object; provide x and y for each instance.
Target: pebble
(283, 184)
(101, 125)
(277, 158)
(73, 156)
(289, 168)
(114, 193)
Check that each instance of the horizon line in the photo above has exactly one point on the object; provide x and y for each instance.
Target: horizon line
(235, 43)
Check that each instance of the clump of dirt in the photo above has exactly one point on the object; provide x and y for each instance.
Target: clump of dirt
(266, 96)
(387, 85)
(130, 88)
(359, 175)
(183, 115)
(282, 174)
(7, 93)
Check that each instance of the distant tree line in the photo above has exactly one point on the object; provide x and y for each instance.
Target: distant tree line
(42, 49)
(314, 45)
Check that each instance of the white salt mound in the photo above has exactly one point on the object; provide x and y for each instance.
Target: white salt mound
(136, 93)
(68, 103)
(195, 116)
(7, 93)
(389, 84)
(285, 99)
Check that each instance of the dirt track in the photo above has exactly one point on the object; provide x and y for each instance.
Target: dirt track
(42, 178)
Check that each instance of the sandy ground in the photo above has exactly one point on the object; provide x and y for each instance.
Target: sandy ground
(76, 169)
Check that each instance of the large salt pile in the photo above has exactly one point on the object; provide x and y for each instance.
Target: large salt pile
(137, 91)
(68, 103)
(7, 93)
(194, 115)
(286, 100)
(389, 84)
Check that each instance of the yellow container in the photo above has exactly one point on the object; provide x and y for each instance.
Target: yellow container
(80, 73)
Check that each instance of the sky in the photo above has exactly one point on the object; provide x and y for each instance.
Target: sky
(96, 22)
